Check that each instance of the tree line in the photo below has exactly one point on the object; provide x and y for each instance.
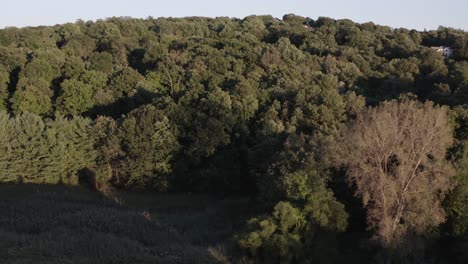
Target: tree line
(329, 125)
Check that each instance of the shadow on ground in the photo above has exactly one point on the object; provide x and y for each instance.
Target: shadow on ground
(70, 224)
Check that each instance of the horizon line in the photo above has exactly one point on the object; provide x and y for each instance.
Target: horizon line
(94, 20)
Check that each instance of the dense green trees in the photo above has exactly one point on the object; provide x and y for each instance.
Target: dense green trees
(4, 82)
(456, 203)
(32, 96)
(149, 142)
(252, 106)
(76, 97)
(44, 152)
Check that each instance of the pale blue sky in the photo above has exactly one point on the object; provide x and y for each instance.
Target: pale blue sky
(419, 14)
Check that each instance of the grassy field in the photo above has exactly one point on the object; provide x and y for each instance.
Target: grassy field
(67, 224)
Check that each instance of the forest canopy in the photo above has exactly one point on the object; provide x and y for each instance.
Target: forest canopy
(286, 111)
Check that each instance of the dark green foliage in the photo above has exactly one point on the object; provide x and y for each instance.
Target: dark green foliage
(12, 58)
(32, 96)
(71, 148)
(23, 145)
(456, 203)
(278, 237)
(39, 152)
(124, 82)
(457, 206)
(73, 67)
(75, 98)
(38, 68)
(101, 61)
(4, 82)
(107, 146)
(298, 175)
(207, 124)
(288, 236)
(149, 142)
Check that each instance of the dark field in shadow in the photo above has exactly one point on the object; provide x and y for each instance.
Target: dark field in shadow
(64, 224)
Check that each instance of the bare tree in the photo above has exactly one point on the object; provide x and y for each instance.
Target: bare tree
(395, 155)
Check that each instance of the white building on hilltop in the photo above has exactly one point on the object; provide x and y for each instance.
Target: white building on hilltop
(446, 51)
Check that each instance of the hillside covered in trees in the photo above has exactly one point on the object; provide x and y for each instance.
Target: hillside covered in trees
(350, 140)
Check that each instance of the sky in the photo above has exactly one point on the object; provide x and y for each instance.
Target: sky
(413, 14)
